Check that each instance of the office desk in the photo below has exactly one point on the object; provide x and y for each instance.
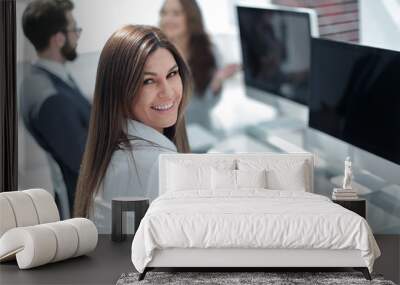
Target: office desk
(102, 266)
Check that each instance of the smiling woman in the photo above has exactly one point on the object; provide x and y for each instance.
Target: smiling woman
(158, 100)
(142, 88)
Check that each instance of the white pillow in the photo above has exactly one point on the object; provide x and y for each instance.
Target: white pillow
(289, 174)
(251, 178)
(223, 179)
(226, 179)
(288, 178)
(181, 177)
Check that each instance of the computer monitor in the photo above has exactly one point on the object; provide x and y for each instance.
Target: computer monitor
(275, 43)
(355, 96)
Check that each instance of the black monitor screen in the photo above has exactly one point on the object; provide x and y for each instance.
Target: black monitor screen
(355, 96)
(276, 51)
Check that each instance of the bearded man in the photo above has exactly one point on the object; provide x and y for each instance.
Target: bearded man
(52, 106)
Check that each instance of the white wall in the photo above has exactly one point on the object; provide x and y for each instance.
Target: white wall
(219, 18)
(100, 18)
(380, 23)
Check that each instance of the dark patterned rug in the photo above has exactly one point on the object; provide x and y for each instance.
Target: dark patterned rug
(229, 278)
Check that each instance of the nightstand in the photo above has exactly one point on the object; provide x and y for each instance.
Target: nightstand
(119, 205)
(358, 206)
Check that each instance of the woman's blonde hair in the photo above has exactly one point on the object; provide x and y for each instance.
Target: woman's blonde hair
(119, 79)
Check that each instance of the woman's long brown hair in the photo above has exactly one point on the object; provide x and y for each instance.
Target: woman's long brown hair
(119, 79)
(201, 59)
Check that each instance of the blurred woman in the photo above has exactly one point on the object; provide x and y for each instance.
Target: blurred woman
(182, 23)
(142, 88)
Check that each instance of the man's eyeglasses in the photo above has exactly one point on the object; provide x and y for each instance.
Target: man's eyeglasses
(76, 30)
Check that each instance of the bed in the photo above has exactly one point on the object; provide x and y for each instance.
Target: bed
(246, 211)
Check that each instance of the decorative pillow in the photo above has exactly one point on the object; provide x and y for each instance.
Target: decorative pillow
(251, 178)
(223, 179)
(181, 177)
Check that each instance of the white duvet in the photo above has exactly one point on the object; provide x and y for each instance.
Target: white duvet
(250, 218)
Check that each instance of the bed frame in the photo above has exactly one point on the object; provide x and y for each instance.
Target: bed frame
(240, 259)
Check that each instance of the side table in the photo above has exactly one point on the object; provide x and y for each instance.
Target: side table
(125, 204)
(358, 206)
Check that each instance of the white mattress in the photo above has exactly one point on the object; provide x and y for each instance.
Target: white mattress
(251, 218)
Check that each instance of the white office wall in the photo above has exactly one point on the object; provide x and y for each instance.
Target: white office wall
(99, 23)
(100, 18)
(25, 50)
(380, 23)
